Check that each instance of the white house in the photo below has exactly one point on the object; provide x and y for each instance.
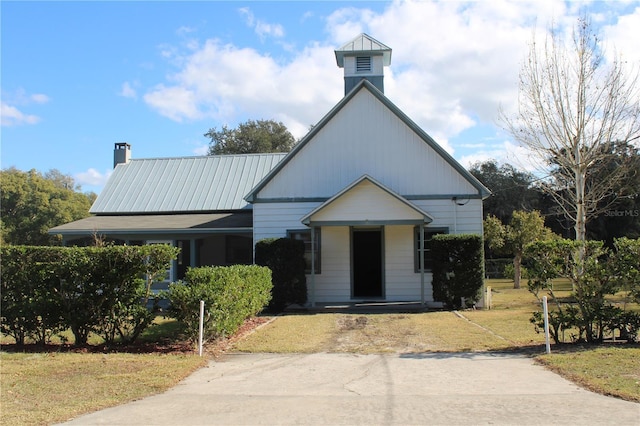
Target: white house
(365, 190)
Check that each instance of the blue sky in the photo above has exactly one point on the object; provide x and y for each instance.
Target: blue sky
(77, 77)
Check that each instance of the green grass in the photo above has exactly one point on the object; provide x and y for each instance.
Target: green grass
(610, 370)
(49, 387)
(39, 387)
(607, 369)
(44, 388)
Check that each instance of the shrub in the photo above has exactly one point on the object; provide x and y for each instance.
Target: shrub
(457, 269)
(30, 309)
(595, 273)
(231, 294)
(285, 258)
(86, 289)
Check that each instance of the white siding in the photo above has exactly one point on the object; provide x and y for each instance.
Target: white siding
(377, 67)
(272, 220)
(333, 284)
(366, 137)
(465, 219)
(366, 201)
(402, 283)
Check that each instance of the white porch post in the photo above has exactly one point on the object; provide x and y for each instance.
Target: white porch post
(313, 266)
(421, 257)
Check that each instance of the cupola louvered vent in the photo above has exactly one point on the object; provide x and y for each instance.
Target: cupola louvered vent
(363, 58)
(363, 63)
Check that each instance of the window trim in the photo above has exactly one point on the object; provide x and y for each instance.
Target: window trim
(317, 248)
(416, 246)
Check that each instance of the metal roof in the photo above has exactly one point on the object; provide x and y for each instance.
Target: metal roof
(363, 43)
(157, 224)
(184, 184)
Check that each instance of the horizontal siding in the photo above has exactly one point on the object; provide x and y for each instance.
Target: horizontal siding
(466, 219)
(334, 283)
(272, 220)
(402, 283)
(366, 201)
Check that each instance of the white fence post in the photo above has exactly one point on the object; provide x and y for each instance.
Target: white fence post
(201, 329)
(545, 312)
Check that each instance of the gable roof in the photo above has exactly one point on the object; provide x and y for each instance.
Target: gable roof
(186, 184)
(365, 191)
(364, 44)
(482, 191)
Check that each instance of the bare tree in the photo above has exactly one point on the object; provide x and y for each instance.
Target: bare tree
(573, 106)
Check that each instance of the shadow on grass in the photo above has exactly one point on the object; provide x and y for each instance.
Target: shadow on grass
(165, 337)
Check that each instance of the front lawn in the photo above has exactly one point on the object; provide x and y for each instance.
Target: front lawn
(505, 327)
(46, 387)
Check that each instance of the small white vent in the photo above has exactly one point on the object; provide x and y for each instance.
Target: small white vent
(363, 63)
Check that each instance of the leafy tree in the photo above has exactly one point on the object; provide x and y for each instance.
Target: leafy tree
(251, 137)
(573, 104)
(32, 203)
(523, 228)
(596, 273)
(511, 189)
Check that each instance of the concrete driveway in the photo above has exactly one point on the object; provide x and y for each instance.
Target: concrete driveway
(393, 389)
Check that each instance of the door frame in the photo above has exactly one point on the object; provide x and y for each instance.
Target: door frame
(380, 231)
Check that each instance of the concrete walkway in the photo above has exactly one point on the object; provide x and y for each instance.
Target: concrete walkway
(394, 389)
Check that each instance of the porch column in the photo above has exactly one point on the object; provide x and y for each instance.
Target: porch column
(421, 263)
(313, 267)
(192, 253)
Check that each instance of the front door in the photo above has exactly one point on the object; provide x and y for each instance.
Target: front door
(367, 263)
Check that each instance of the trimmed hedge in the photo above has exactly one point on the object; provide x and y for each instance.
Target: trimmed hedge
(458, 270)
(231, 294)
(285, 258)
(45, 290)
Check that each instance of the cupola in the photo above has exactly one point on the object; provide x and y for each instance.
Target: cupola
(363, 58)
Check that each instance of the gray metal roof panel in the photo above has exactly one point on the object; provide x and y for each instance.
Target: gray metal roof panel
(171, 223)
(363, 43)
(184, 184)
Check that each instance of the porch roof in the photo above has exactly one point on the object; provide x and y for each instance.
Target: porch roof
(158, 224)
(366, 202)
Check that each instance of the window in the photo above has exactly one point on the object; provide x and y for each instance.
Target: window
(363, 63)
(304, 235)
(239, 250)
(428, 256)
(162, 283)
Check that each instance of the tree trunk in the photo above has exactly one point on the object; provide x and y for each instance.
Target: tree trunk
(517, 263)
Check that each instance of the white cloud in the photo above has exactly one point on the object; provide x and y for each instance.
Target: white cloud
(92, 177)
(127, 91)
(201, 150)
(504, 152)
(262, 29)
(11, 108)
(453, 65)
(39, 98)
(622, 38)
(12, 116)
(224, 82)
